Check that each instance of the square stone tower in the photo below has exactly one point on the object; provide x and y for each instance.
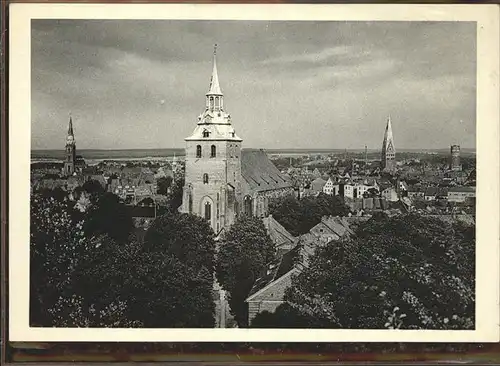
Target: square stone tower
(212, 187)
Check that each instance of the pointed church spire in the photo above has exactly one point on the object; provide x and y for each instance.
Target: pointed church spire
(388, 148)
(214, 82)
(388, 130)
(70, 139)
(70, 126)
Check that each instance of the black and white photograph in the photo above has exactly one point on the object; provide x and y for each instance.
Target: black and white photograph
(256, 174)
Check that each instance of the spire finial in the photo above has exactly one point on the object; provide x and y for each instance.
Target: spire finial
(215, 49)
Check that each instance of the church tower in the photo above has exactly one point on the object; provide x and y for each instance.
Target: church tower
(212, 186)
(69, 162)
(388, 149)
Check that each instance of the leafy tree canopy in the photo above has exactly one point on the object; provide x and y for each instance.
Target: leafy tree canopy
(77, 281)
(299, 216)
(406, 271)
(188, 238)
(164, 184)
(244, 252)
(108, 216)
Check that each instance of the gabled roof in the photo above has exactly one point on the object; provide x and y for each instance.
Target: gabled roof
(277, 269)
(260, 173)
(276, 231)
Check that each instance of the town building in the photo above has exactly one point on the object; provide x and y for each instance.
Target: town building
(331, 187)
(461, 194)
(317, 185)
(388, 149)
(430, 193)
(269, 290)
(222, 181)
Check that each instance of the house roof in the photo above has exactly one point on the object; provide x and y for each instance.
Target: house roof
(337, 225)
(462, 189)
(318, 184)
(431, 191)
(276, 231)
(260, 173)
(277, 269)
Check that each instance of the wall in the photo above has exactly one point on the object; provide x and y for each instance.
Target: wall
(222, 169)
(270, 298)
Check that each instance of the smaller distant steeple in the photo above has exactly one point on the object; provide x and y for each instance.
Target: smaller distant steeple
(70, 127)
(69, 162)
(388, 148)
(70, 138)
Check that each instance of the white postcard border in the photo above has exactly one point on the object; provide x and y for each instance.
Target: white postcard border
(487, 227)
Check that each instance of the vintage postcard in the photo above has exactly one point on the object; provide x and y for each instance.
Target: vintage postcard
(300, 173)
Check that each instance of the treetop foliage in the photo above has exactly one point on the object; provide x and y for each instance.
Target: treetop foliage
(244, 252)
(402, 272)
(188, 238)
(79, 279)
(299, 216)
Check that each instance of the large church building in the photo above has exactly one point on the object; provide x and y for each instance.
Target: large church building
(222, 180)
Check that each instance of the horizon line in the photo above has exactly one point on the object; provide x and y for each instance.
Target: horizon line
(255, 148)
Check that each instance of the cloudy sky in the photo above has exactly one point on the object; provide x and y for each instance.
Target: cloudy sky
(142, 84)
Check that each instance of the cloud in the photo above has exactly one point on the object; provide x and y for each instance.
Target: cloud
(139, 84)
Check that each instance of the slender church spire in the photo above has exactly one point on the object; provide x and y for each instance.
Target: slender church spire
(388, 148)
(70, 126)
(388, 132)
(214, 82)
(70, 138)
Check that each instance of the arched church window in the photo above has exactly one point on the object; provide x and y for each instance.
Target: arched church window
(198, 151)
(205, 178)
(206, 133)
(213, 151)
(208, 211)
(211, 103)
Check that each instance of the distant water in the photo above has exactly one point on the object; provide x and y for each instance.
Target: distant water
(139, 154)
(109, 154)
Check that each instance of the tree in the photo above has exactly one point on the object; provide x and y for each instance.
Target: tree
(94, 189)
(164, 184)
(244, 252)
(81, 281)
(108, 216)
(166, 293)
(371, 193)
(176, 192)
(299, 216)
(189, 238)
(58, 252)
(408, 272)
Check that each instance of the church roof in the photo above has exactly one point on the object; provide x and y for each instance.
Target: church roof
(260, 173)
(216, 131)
